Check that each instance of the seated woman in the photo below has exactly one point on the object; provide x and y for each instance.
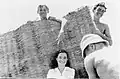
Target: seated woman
(60, 66)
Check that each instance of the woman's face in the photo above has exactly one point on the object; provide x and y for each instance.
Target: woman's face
(62, 59)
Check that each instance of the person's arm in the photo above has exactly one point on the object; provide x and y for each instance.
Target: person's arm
(107, 34)
(60, 36)
(100, 34)
(95, 30)
(104, 37)
(88, 62)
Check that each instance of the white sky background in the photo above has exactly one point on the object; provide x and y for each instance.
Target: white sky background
(14, 13)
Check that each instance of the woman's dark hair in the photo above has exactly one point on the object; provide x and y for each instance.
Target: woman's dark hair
(54, 64)
(99, 4)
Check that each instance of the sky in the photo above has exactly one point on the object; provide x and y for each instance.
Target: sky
(14, 13)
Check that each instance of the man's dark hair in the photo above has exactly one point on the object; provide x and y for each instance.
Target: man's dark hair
(102, 4)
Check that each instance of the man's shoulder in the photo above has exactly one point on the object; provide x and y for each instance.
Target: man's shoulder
(98, 53)
(89, 58)
(106, 53)
(54, 19)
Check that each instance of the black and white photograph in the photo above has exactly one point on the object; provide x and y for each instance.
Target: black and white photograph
(59, 39)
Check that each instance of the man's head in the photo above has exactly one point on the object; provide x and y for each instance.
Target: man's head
(91, 43)
(99, 9)
(42, 11)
